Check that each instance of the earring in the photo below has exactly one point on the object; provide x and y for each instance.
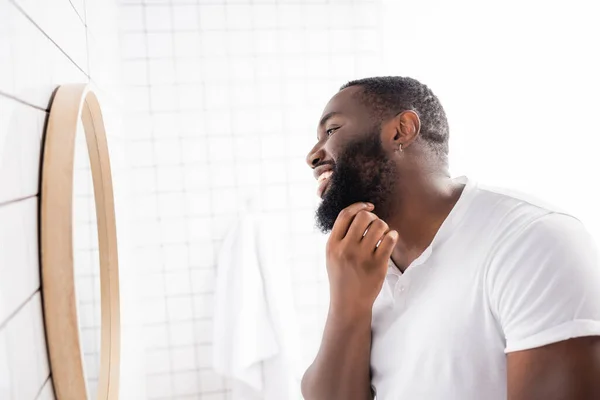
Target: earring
(400, 148)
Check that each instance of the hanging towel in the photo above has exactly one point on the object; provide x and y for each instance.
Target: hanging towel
(255, 328)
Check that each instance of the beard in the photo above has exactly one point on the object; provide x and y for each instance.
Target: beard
(363, 173)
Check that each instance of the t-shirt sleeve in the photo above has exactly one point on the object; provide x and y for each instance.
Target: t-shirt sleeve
(544, 284)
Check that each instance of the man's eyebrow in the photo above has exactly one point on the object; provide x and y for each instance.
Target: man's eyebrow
(327, 116)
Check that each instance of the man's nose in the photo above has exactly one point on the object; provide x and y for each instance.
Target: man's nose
(315, 156)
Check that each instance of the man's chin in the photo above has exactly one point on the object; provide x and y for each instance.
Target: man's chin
(326, 215)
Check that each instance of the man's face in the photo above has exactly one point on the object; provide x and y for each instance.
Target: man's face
(349, 160)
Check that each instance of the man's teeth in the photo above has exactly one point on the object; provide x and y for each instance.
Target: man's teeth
(324, 175)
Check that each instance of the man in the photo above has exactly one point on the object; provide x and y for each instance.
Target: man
(442, 288)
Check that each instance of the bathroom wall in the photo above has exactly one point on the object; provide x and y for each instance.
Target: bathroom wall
(43, 43)
(222, 103)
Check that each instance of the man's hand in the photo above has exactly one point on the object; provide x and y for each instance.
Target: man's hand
(358, 251)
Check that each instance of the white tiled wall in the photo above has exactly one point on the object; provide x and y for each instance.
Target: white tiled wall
(43, 43)
(222, 103)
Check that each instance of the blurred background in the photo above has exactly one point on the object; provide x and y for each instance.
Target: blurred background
(211, 108)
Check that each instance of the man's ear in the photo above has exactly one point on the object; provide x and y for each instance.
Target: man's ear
(402, 130)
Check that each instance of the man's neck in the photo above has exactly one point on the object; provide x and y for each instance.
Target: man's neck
(422, 207)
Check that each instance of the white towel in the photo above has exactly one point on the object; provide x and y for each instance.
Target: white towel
(255, 329)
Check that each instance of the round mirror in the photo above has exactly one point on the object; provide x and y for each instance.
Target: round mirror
(86, 262)
(78, 245)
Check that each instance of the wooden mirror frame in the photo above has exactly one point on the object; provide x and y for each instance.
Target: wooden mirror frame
(72, 103)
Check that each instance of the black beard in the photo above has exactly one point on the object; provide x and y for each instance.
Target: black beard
(362, 173)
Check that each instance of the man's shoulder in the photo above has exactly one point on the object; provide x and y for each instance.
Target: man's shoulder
(506, 212)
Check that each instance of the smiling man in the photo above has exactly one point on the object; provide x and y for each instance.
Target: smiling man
(442, 289)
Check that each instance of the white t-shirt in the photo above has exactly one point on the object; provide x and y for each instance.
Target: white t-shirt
(503, 274)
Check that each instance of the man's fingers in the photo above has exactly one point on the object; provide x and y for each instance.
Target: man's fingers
(377, 230)
(385, 248)
(361, 223)
(345, 218)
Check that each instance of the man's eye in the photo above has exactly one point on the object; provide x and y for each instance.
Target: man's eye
(330, 131)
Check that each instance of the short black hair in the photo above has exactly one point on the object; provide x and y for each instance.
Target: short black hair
(390, 95)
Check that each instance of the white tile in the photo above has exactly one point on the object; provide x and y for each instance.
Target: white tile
(27, 352)
(248, 174)
(155, 310)
(239, 43)
(197, 204)
(163, 98)
(214, 44)
(19, 265)
(243, 95)
(5, 370)
(275, 197)
(179, 308)
(185, 383)
(217, 68)
(225, 200)
(28, 71)
(21, 129)
(196, 177)
(185, 17)
(158, 361)
(222, 146)
(181, 333)
(160, 44)
(204, 355)
(183, 358)
(189, 71)
(47, 392)
(212, 17)
(202, 254)
(192, 123)
(204, 331)
(203, 280)
(172, 230)
(153, 285)
(146, 207)
(199, 229)
(143, 180)
(159, 386)
(292, 16)
(176, 257)
(238, 17)
(141, 153)
(274, 172)
(7, 75)
(60, 22)
(222, 174)
(194, 149)
(211, 381)
(219, 121)
(161, 71)
(156, 336)
(203, 305)
(170, 178)
(136, 99)
(131, 18)
(217, 96)
(165, 125)
(271, 121)
(168, 151)
(178, 283)
(158, 18)
(190, 97)
(133, 45)
(135, 72)
(187, 44)
(265, 16)
(366, 39)
(136, 126)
